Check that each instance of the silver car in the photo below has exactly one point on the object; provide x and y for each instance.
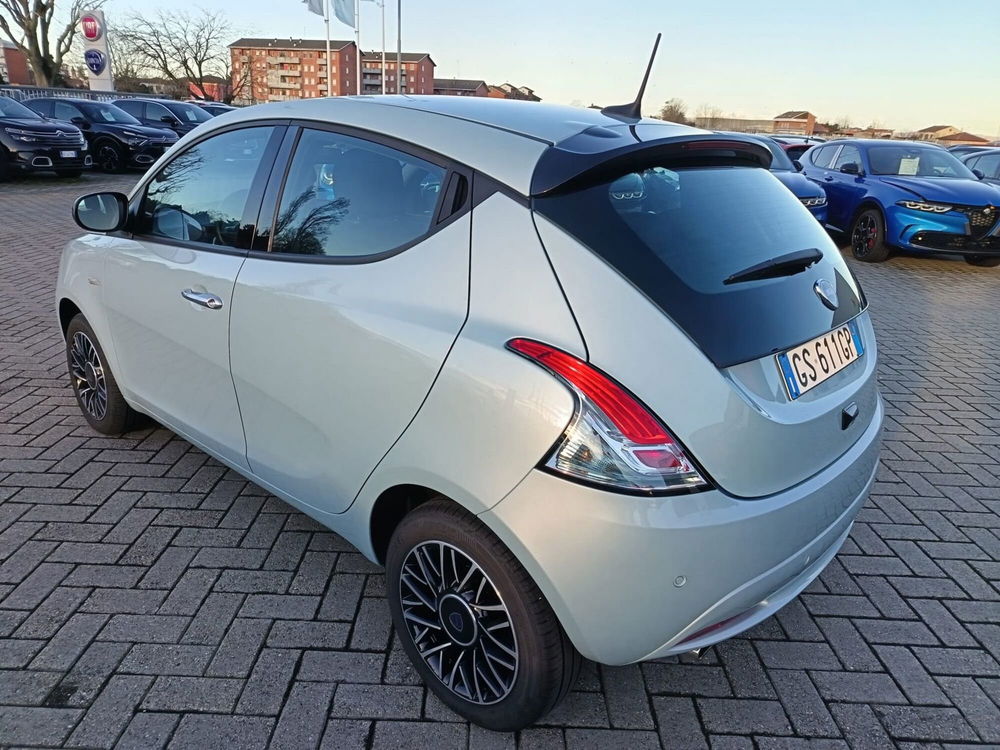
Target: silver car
(587, 388)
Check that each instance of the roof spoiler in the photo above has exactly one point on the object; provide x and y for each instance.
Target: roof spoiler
(571, 165)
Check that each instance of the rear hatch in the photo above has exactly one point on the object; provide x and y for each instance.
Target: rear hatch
(735, 262)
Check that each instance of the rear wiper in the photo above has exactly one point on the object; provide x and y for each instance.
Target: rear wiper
(783, 265)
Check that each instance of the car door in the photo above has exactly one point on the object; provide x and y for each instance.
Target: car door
(168, 287)
(158, 116)
(68, 112)
(816, 165)
(343, 318)
(843, 190)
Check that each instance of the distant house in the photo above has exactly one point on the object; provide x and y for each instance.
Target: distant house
(935, 132)
(795, 122)
(867, 132)
(460, 87)
(961, 138)
(14, 65)
(519, 92)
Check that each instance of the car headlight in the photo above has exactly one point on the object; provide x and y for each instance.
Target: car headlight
(26, 136)
(814, 201)
(134, 139)
(934, 208)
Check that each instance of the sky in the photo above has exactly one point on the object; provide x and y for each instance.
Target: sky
(899, 64)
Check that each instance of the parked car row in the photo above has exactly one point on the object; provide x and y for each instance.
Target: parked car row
(67, 135)
(887, 195)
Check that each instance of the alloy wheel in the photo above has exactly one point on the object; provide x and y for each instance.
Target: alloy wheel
(108, 158)
(865, 235)
(458, 622)
(88, 376)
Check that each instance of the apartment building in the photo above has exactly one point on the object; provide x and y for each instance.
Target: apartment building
(274, 70)
(460, 87)
(14, 65)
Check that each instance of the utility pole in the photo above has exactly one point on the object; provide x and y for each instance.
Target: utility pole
(399, 46)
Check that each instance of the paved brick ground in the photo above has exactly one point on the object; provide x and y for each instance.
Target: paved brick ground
(149, 597)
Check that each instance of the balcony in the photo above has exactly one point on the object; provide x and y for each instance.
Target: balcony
(277, 60)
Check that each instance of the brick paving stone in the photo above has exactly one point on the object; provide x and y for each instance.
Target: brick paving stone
(141, 580)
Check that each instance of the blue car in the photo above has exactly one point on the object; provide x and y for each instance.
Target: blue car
(912, 196)
(810, 193)
(985, 164)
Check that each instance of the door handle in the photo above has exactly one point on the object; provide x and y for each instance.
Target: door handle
(828, 178)
(205, 299)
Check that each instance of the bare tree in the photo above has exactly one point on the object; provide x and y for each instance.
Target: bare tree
(673, 110)
(710, 114)
(182, 47)
(33, 27)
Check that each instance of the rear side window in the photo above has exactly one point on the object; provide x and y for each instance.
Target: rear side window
(64, 111)
(848, 155)
(822, 156)
(134, 108)
(200, 195)
(347, 197)
(682, 235)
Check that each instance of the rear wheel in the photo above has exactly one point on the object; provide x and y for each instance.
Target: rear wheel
(94, 386)
(868, 237)
(475, 625)
(983, 262)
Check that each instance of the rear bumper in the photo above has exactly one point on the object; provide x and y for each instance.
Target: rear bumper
(634, 578)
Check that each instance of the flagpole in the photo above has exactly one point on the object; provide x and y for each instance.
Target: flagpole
(383, 45)
(357, 39)
(399, 46)
(326, 19)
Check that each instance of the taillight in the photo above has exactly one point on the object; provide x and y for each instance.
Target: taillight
(612, 440)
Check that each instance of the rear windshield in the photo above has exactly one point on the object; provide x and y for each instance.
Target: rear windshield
(679, 234)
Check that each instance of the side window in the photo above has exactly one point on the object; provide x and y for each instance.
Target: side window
(200, 195)
(848, 155)
(347, 197)
(157, 112)
(64, 111)
(41, 107)
(131, 106)
(820, 157)
(989, 165)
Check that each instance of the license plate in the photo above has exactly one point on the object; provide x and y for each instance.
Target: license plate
(67, 154)
(809, 364)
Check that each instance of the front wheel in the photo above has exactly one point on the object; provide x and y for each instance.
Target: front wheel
(475, 625)
(109, 157)
(868, 237)
(94, 386)
(983, 262)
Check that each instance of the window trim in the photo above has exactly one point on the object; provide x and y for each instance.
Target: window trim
(281, 169)
(254, 195)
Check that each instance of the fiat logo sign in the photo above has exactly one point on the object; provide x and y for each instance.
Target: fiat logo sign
(91, 27)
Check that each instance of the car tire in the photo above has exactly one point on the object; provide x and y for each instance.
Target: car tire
(983, 262)
(4, 166)
(94, 385)
(70, 173)
(109, 156)
(868, 236)
(517, 662)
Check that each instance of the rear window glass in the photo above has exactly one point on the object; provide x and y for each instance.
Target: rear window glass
(679, 234)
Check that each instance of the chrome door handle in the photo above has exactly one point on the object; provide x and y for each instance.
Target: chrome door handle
(205, 299)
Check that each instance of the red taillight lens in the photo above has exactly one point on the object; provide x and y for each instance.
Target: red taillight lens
(628, 415)
(613, 439)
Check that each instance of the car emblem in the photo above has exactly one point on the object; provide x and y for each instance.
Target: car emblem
(96, 60)
(827, 293)
(456, 621)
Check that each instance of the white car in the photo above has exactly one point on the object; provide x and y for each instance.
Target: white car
(587, 385)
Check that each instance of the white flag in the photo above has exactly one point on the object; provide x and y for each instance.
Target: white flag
(344, 11)
(315, 6)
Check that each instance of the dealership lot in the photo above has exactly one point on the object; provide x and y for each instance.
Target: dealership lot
(150, 597)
